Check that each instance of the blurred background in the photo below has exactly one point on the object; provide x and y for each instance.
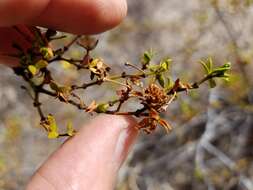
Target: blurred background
(211, 146)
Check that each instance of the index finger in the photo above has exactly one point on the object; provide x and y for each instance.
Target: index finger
(75, 16)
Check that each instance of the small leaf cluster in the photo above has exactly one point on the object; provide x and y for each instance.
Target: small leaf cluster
(219, 72)
(51, 127)
(148, 83)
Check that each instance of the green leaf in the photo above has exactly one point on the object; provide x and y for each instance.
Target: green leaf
(207, 65)
(70, 129)
(210, 63)
(165, 64)
(52, 135)
(226, 77)
(41, 64)
(153, 68)
(32, 69)
(220, 72)
(147, 57)
(102, 108)
(223, 68)
(47, 53)
(169, 83)
(161, 80)
(53, 129)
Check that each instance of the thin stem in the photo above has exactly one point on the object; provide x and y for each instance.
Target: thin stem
(172, 98)
(27, 91)
(116, 82)
(135, 67)
(86, 85)
(45, 91)
(66, 48)
(206, 78)
(119, 106)
(37, 104)
(131, 75)
(59, 58)
(58, 38)
(63, 135)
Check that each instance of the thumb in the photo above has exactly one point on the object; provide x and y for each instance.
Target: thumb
(89, 160)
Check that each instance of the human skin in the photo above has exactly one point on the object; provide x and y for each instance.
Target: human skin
(91, 159)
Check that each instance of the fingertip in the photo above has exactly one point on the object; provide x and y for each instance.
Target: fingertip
(111, 125)
(8, 36)
(112, 13)
(115, 133)
(82, 17)
(13, 12)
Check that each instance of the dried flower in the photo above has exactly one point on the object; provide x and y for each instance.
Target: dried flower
(98, 68)
(154, 97)
(150, 123)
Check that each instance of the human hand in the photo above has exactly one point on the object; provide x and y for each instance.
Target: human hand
(91, 159)
(75, 16)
